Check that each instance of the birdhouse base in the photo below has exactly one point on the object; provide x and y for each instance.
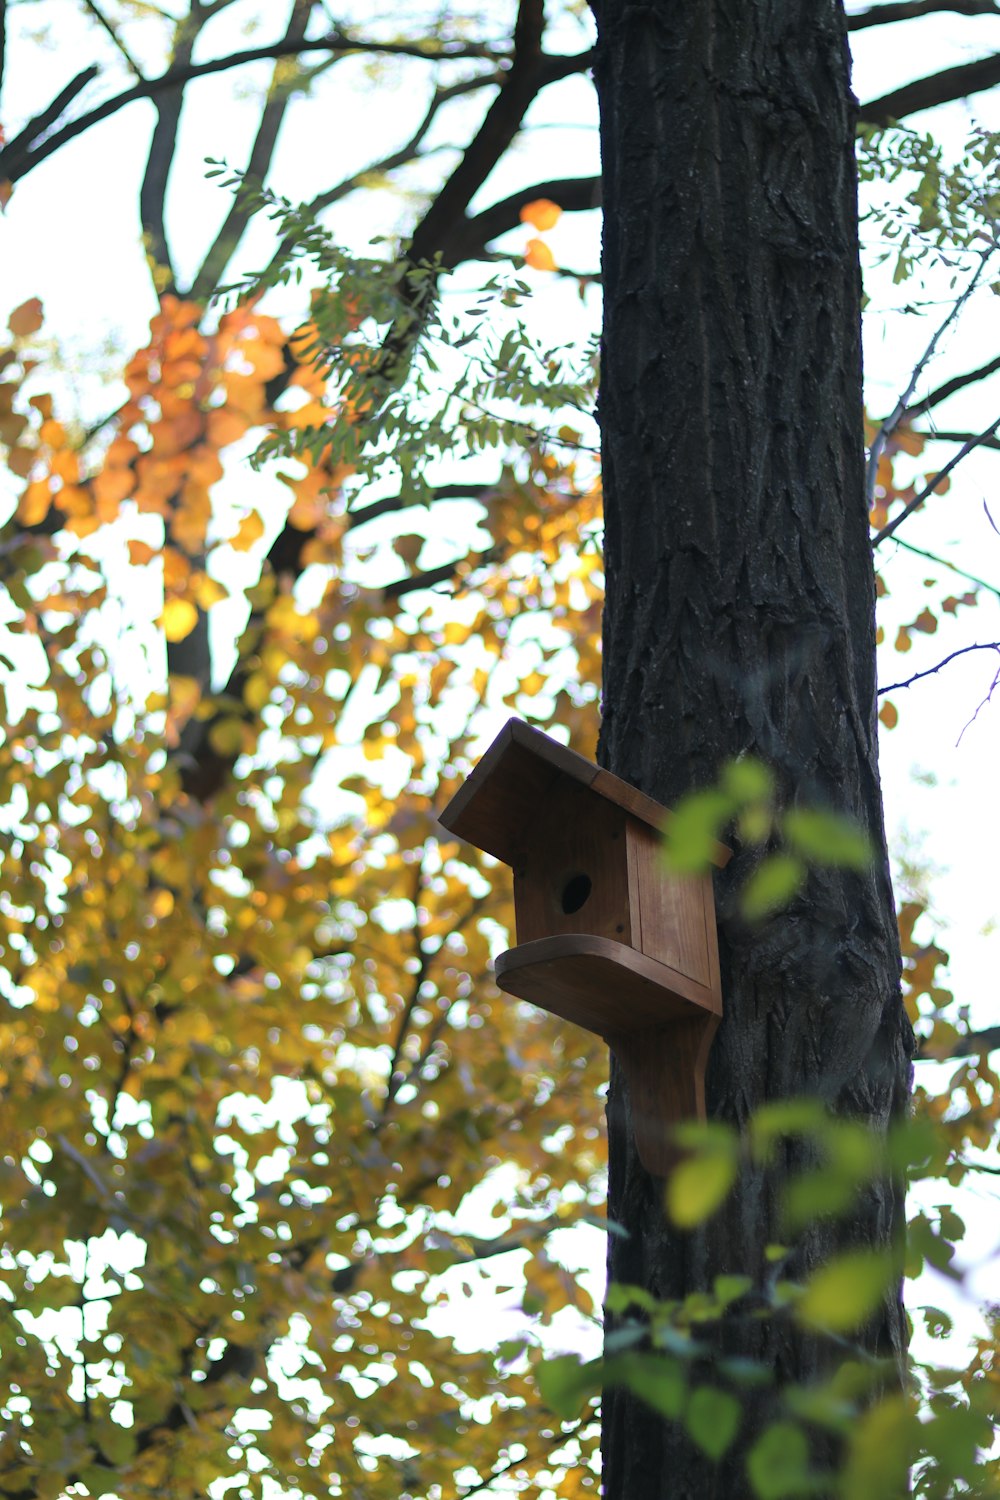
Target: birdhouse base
(657, 1021)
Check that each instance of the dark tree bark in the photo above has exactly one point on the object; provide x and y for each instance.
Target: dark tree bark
(740, 611)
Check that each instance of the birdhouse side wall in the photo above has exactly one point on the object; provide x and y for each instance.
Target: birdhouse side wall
(574, 876)
(676, 915)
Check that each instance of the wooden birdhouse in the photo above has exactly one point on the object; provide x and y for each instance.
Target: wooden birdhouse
(606, 937)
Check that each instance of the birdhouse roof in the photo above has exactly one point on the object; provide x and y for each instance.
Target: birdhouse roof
(504, 798)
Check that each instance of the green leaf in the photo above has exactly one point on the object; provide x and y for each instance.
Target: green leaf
(879, 1453)
(748, 780)
(785, 1117)
(827, 838)
(841, 1295)
(728, 1288)
(778, 1463)
(698, 1186)
(713, 1419)
(565, 1382)
(655, 1379)
(690, 834)
(771, 886)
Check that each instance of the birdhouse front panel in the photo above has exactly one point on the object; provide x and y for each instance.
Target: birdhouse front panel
(676, 914)
(573, 875)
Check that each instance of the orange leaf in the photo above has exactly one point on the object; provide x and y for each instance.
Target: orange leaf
(888, 715)
(35, 502)
(542, 213)
(112, 485)
(539, 256)
(926, 621)
(26, 319)
(225, 427)
(140, 553)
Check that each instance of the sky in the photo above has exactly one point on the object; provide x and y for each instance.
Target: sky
(70, 236)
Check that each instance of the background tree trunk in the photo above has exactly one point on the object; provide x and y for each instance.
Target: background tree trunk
(740, 605)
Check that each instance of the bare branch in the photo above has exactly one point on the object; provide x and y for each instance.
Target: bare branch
(105, 24)
(279, 96)
(15, 164)
(942, 436)
(939, 88)
(573, 195)
(162, 148)
(38, 124)
(910, 10)
(896, 416)
(932, 484)
(972, 1044)
(950, 387)
(895, 686)
(402, 157)
(502, 122)
(446, 573)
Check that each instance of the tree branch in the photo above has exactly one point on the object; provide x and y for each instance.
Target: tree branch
(932, 484)
(502, 122)
(279, 95)
(15, 164)
(105, 24)
(162, 148)
(38, 124)
(945, 563)
(983, 646)
(939, 88)
(910, 10)
(970, 1045)
(949, 388)
(896, 416)
(573, 195)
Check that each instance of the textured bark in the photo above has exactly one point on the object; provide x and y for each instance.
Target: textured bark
(740, 609)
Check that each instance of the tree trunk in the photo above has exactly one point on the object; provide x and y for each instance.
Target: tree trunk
(740, 609)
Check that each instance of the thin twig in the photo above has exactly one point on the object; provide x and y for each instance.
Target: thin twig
(981, 646)
(893, 420)
(932, 484)
(980, 706)
(944, 563)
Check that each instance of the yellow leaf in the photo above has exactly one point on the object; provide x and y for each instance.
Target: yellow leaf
(251, 529)
(844, 1294)
(257, 691)
(698, 1186)
(162, 903)
(542, 213)
(26, 319)
(210, 591)
(539, 256)
(178, 619)
(227, 736)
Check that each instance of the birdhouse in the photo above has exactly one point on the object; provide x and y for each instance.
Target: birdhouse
(606, 937)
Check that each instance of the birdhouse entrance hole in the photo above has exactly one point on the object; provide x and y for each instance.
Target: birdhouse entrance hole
(575, 893)
(606, 937)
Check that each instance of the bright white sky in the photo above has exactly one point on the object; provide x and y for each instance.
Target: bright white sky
(70, 236)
